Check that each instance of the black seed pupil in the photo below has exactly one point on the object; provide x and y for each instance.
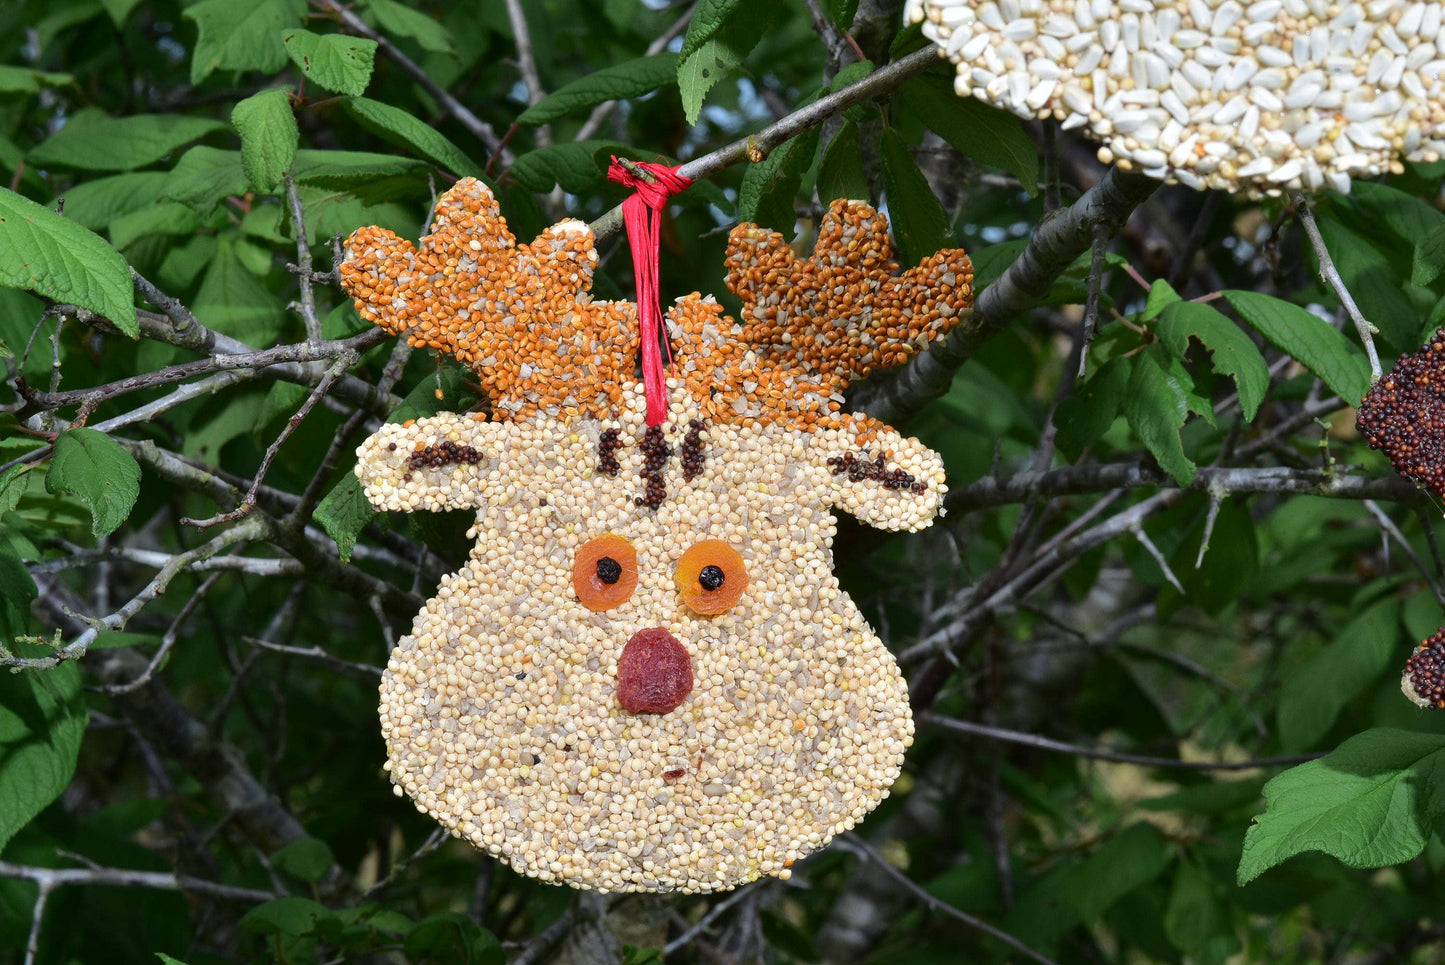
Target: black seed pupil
(609, 571)
(711, 577)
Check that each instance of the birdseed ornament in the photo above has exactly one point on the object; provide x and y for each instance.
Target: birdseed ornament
(1262, 97)
(646, 676)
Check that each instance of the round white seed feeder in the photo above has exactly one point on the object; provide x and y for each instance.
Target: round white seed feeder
(1268, 97)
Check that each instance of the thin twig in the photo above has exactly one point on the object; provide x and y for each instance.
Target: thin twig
(1331, 275)
(168, 640)
(527, 64)
(248, 502)
(858, 845)
(757, 146)
(316, 653)
(1393, 532)
(1153, 551)
(307, 303)
(1103, 754)
(713, 914)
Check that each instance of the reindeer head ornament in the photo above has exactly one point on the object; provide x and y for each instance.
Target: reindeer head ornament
(646, 676)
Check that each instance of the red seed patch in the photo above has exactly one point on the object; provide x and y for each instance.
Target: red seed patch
(654, 673)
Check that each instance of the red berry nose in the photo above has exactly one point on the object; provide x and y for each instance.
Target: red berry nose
(654, 673)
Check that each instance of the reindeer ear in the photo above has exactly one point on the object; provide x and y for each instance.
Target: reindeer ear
(435, 464)
(878, 475)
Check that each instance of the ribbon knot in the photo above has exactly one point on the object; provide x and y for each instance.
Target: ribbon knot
(642, 216)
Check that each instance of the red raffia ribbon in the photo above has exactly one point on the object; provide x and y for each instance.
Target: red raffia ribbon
(642, 214)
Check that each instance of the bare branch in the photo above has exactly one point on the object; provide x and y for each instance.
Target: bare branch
(1331, 275)
(1104, 754)
(307, 304)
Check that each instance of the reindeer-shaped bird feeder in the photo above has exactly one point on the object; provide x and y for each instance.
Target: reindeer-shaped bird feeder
(646, 676)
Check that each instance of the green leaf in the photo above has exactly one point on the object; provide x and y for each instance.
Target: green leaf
(58, 259)
(93, 466)
(203, 177)
(308, 859)
(992, 137)
(1079, 893)
(291, 916)
(1092, 408)
(1368, 269)
(1161, 296)
(402, 129)
(1231, 351)
(349, 169)
(269, 136)
(90, 141)
(119, 10)
(720, 34)
(1196, 919)
(631, 78)
(1157, 404)
(841, 12)
(1313, 697)
(770, 186)
(578, 166)
(453, 937)
(95, 204)
(919, 225)
(233, 300)
(42, 720)
(241, 36)
(23, 80)
(399, 20)
(1312, 341)
(840, 173)
(1429, 257)
(1373, 801)
(166, 218)
(12, 487)
(168, 960)
(344, 513)
(338, 62)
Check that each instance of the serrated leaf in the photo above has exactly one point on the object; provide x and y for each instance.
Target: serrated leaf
(344, 513)
(1429, 258)
(58, 259)
(1373, 801)
(23, 80)
(94, 467)
(840, 173)
(631, 78)
(1231, 351)
(94, 204)
(42, 721)
(285, 916)
(578, 166)
(1312, 697)
(402, 129)
(1092, 408)
(707, 19)
(453, 937)
(338, 62)
(1310, 340)
(1161, 296)
(993, 137)
(399, 20)
(770, 186)
(919, 225)
(308, 859)
(720, 34)
(167, 218)
(203, 177)
(1157, 404)
(234, 301)
(90, 141)
(269, 136)
(241, 36)
(12, 487)
(350, 169)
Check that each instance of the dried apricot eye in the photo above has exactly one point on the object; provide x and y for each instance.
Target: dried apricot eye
(711, 576)
(604, 572)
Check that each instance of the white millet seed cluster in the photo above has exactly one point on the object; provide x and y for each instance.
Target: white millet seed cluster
(500, 709)
(1263, 97)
